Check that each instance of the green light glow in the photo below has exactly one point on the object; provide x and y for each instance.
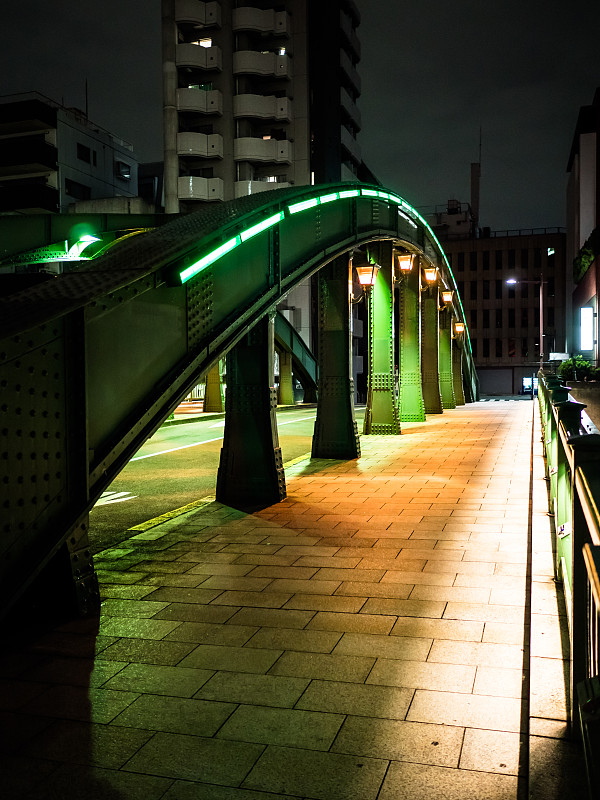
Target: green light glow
(294, 209)
(368, 192)
(261, 226)
(74, 252)
(349, 193)
(209, 259)
(327, 198)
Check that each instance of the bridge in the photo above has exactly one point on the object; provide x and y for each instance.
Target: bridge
(463, 565)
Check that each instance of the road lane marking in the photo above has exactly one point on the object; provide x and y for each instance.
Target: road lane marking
(152, 523)
(114, 497)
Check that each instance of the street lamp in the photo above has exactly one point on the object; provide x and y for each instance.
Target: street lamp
(541, 281)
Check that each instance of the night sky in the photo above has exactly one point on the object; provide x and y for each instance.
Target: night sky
(433, 74)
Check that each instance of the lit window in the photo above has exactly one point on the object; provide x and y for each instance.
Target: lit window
(203, 42)
(266, 137)
(282, 51)
(123, 170)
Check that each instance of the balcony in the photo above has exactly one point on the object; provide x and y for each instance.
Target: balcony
(262, 107)
(350, 108)
(194, 55)
(200, 101)
(198, 13)
(244, 188)
(254, 149)
(251, 62)
(349, 33)
(30, 197)
(191, 187)
(350, 71)
(27, 155)
(200, 144)
(255, 19)
(350, 144)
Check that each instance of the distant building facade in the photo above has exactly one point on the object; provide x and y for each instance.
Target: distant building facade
(52, 157)
(504, 319)
(583, 232)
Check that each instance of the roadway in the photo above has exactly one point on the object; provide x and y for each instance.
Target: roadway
(177, 466)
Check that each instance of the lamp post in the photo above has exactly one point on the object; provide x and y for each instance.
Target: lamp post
(541, 281)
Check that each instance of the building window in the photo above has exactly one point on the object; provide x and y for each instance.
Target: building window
(537, 258)
(512, 348)
(511, 291)
(498, 259)
(524, 318)
(473, 290)
(498, 317)
(524, 348)
(498, 289)
(550, 316)
(498, 348)
(473, 260)
(474, 347)
(461, 262)
(511, 318)
(524, 258)
(123, 170)
(461, 288)
(473, 322)
(485, 259)
(524, 291)
(486, 290)
(486, 348)
(486, 318)
(84, 153)
(511, 258)
(550, 287)
(77, 190)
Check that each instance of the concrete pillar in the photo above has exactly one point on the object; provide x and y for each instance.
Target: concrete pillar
(457, 376)
(381, 413)
(286, 383)
(445, 359)
(213, 394)
(335, 434)
(251, 470)
(432, 397)
(412, 408)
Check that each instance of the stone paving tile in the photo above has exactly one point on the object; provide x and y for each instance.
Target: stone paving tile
(235, 659)
(252, 599)
(404, 608)
(195, 758)
(387, 702)
(478, 653)
(317, 775)
(207, 633)
(137, 628)
(366, 588)
(481, 612)
(420, 782)
(467, 710)
(547, 697)
(319, 665)
(153, 679)
(245, 687)
(74, 671)
(211, 568)
(185, 790)
(298, 573)
(490, 751)
(438, 629)
(396, 647)
(307, 641)
(179, 594)
(96, 783)
(81, 742)
(423, 675)
(142, 651)
(326, 603)
(357, 623)
(195, 612)
(400, 741)
(285, 727)
(175, 715)
(456, 594)
(80, 702)
(416, 578)
(328, 561)
(499, 681)
(272, 618)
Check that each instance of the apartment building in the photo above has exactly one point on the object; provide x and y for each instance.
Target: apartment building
(583, 231)
(504, 318)
(52, 157)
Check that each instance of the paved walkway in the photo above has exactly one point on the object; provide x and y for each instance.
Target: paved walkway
(366, 639)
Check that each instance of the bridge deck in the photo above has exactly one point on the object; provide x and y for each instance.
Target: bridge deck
(366, 638)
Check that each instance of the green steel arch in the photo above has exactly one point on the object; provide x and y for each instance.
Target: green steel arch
(94, 360)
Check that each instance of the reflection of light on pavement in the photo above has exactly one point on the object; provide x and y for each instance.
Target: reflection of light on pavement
(219, 424)
(114, 497)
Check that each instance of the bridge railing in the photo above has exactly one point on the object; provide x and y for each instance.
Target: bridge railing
(572, 451)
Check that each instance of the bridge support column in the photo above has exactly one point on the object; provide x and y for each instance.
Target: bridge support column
(412, 408)
(336, 434)
(286, 384)
(445, 356)
(381, 413)
(432, 397)
(251, 470)
(457, 376)
(213, 394)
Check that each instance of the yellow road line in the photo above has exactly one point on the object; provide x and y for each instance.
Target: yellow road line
(151, 523)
